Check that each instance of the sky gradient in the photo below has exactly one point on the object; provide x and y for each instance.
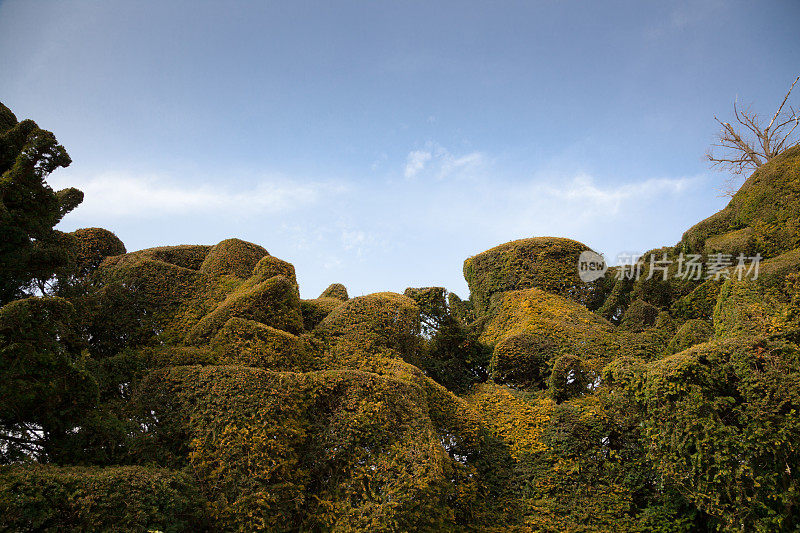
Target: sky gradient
(379, 144)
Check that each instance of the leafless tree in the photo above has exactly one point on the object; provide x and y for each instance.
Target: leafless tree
(751, 142)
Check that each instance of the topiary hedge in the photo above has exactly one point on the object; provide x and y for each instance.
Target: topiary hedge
(250, 343)
(275, 302)
(558, 325)
(546, 263)
(123, 498)
(232, 257)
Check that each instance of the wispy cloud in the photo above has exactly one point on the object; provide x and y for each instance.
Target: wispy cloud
(415, 162)
(583, 190)
(438, 162)
(126, 195)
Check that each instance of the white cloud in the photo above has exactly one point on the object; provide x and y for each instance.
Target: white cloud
(609, 200)
(441, 163)
(415, 162)
(125, 195)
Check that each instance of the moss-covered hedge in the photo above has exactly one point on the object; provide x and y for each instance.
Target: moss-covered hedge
(546, 263)
(250, 343)
(123, 498)
(333, 450)
(554, 326)
(763, 216)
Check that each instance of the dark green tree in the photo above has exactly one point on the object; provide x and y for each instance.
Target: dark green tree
(451, 354)
(31, 251)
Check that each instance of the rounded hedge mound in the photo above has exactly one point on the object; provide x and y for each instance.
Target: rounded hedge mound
(120, 498)
(94, 245)
(249, 343)
(546, 263)
(269, 266)
(531, 325)
(372, 323)
(314, 311)
(275, 302)
(333, 450)
(720, 420)
(335, 290)
(763, 216)
(233, 257)
(691, 333)
(189, 256)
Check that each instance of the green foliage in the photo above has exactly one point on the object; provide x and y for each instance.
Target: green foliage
(450, 352)
(721, 423)
(370, 324)
(698, 304)
(559, 325)
(339, 450)
(94, 245)
(689, 334)
(186, 255)
(125, 498)
(335, 290)
(250, 343)
(763, 216)
(269, 266)
(43, 394)
(639, 316)
(275, 302)
(523, 359)
(31, 251)
(547, 263)
(314, 311)
(233, 257)
(743, 308)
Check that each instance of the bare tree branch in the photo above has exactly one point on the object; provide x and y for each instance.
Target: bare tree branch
(751, 144)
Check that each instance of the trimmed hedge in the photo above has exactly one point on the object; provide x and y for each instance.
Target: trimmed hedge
(546, 263)
(335, 290)
(275, 302)
(232, 257)
(123, 498)
(249, 343)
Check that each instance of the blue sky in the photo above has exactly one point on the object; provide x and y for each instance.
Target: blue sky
(379, 144)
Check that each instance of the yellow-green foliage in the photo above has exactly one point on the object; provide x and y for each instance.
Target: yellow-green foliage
(764, 215)
(314, 311)
(699, 303)
(334, 450)
(523, 359)
(567, 326)
(93, 245)
(744, 308)
(692, 332)
(370, 324)
(174, 298)
(733, 243)
(547, 263)
(639, 316)
(189, 256)
(335, 290)
(274, 302)
(517, 421)
(721, 421)
(249, 343)
(234, 257)
(123, 498)
(270, 266)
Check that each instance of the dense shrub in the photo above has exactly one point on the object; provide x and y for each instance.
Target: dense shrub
(546, 263)
(335, 290)
(234, 257)
(123, 498)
